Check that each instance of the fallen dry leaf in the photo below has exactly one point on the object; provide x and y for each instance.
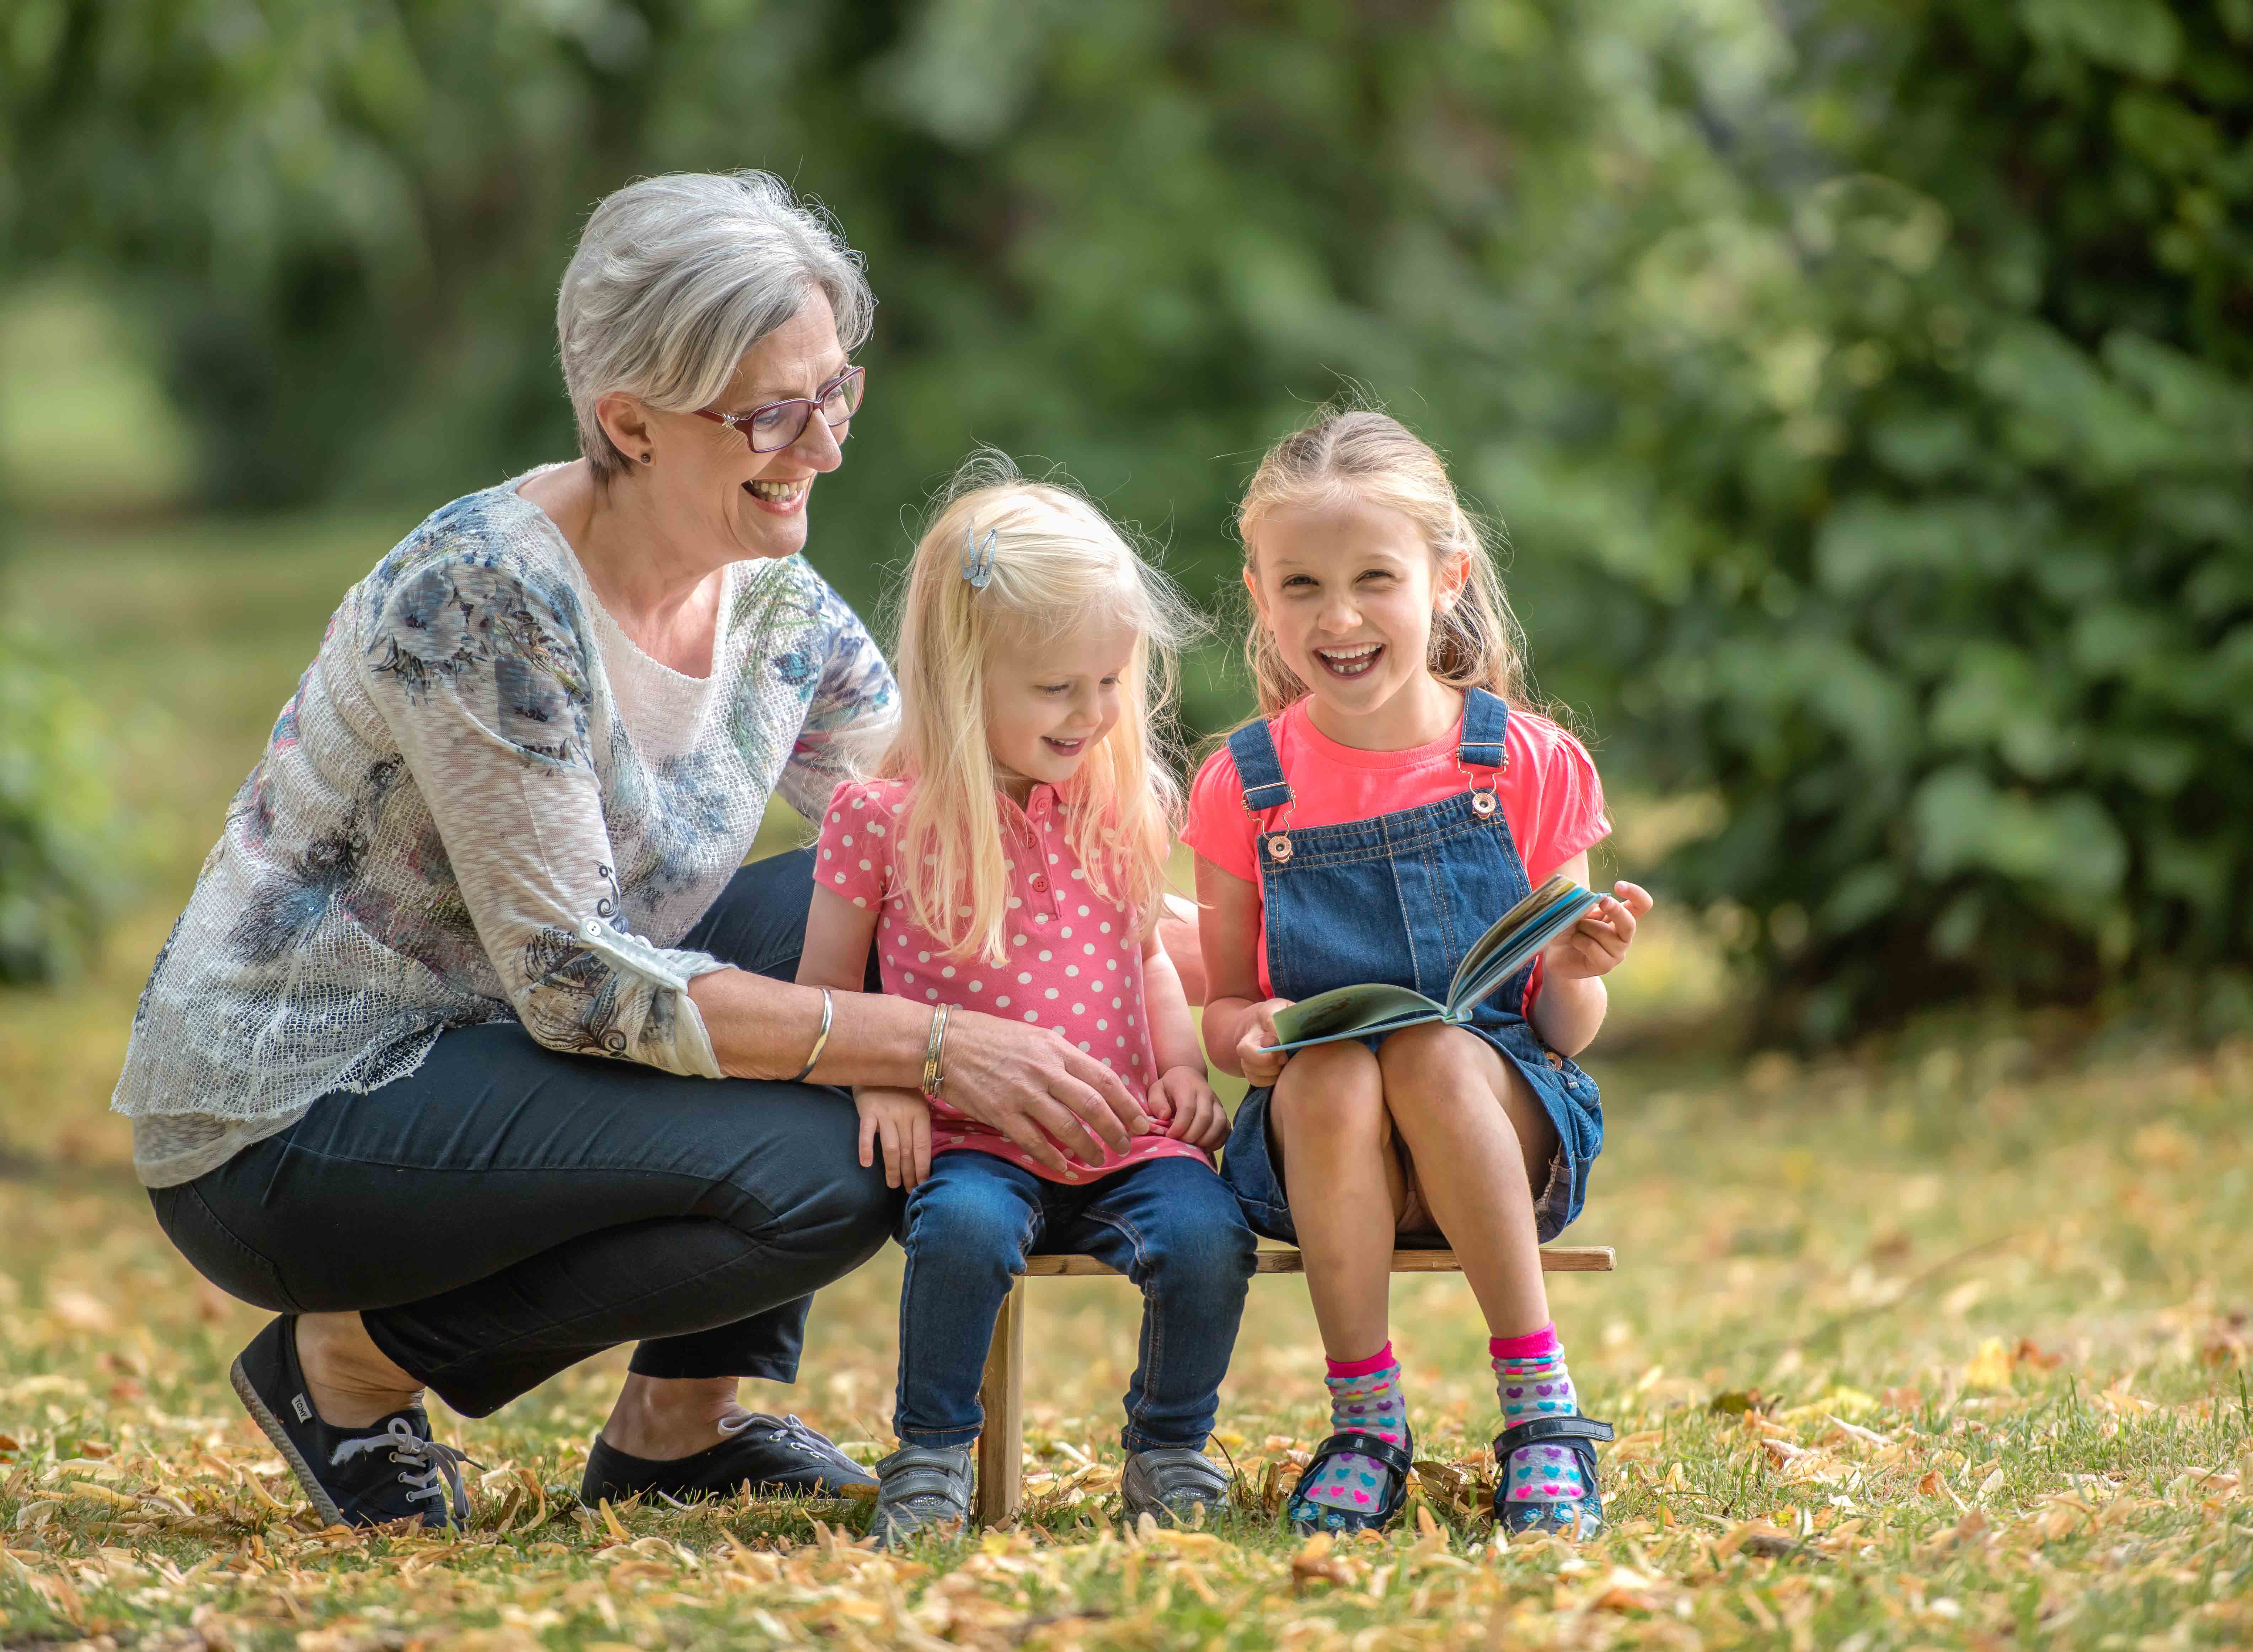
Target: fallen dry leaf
(1760, 1538)
(81, 1311)
(1740, 1403)
(1989, 1371)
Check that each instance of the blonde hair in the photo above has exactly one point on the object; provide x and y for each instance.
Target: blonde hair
(1358, 453)
(1058, 561)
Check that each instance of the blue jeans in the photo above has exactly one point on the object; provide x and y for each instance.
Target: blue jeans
(1168, 1225)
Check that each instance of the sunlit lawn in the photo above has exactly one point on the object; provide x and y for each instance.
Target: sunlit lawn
(1973, 1306)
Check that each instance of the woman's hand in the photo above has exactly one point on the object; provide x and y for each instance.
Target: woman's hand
(901, 1119)
(1595, 945)
(1035, 1088)
(1253, 1059)
(1183, 1099)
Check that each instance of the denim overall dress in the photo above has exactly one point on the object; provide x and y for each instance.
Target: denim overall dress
(1400, 899)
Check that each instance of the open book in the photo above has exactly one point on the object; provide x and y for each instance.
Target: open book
(1361, 1012)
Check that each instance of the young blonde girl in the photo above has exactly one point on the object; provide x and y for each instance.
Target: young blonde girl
(1392, 799)
(1009, 862)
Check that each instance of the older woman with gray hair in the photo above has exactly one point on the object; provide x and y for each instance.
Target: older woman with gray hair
(476, 1051)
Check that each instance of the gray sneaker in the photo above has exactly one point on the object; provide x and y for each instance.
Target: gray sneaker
(1171, 1483)
(919, 1489)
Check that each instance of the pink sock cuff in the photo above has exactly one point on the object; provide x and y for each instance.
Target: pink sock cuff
(1541, 1344)
(1369, 1367)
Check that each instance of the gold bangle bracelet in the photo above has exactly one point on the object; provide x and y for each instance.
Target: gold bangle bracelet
(820, 1039)
(938, 1054)
(934, 1073)
(930, 1050)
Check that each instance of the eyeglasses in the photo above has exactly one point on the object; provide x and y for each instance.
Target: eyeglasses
(771, 428)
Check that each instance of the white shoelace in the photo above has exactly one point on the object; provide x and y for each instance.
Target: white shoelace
(790, 1431)
(441, 1465)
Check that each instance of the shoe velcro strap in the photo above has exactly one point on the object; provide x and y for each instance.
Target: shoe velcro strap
(1535, 1430)
(1173, 1467)
(925, 1480)
(1354, 1439)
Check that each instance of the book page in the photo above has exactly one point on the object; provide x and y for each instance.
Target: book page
(1503, 931)
(1525, 936)
(1348, 1012)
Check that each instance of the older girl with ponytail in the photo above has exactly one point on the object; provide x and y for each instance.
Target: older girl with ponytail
(1397, 793)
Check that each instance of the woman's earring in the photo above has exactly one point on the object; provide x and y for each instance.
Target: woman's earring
(644, 459)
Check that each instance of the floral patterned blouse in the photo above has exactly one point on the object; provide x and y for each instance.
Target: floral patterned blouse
(485, 802)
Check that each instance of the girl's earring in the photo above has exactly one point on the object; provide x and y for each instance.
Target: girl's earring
(644, 459)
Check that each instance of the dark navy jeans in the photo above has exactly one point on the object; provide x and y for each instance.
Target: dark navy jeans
(504, 1211)
(1168, 1225)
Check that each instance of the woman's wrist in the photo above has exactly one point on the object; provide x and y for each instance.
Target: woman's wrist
(895, 1037)
(762, 1028)
(821, 1038)
(932, 1083)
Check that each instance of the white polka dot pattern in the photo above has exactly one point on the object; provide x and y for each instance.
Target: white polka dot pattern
(1052, 977)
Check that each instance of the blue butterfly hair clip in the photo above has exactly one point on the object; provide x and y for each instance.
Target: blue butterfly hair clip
(978, 557)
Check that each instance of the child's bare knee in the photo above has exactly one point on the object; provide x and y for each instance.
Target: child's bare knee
(1434, 1064)
(1334, 1084)
(1347, 1066)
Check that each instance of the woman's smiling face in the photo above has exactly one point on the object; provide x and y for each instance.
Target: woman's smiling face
(1346, 588)
(705, 475)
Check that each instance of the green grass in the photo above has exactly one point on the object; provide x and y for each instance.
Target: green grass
(1973, 1304)
(85, 427)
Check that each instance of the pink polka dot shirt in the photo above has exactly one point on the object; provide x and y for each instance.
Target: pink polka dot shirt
(1074, 964)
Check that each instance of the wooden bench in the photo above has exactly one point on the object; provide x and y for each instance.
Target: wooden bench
(1001, 1445)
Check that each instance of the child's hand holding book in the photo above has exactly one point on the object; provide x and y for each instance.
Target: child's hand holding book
(1595, 945)
(1256, 1056)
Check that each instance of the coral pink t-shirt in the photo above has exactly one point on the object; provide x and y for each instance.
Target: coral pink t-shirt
(1074, 964)
(1551, 796)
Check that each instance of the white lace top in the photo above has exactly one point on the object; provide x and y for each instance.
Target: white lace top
(485, 802)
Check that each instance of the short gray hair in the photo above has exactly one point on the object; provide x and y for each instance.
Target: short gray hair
(676, 276)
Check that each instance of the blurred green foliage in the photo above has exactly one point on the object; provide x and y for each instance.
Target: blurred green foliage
(62, 857)
(1938, 502)
(1864, 381)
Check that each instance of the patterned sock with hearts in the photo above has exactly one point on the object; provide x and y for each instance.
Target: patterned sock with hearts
(1365, 1394)
(1531, 1381)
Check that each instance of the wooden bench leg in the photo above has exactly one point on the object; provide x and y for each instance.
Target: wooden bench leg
(1001, 1444)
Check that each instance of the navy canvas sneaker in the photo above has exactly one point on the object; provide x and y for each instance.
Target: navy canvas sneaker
(393, 1470)
(765, 1454)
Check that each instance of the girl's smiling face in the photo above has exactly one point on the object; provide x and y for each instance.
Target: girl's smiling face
(1049, 699)
(1347, 588)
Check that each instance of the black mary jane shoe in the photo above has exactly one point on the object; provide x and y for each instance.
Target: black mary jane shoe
(768, 1456)
(1581, 1516)
(1306, 1516)
(391, 1470)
